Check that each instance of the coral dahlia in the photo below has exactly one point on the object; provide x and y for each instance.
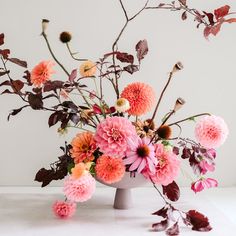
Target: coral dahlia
(112, 136)
(83, 147)
(63, 209)
(211, 131)
(109, 169)
(41, 73)
(141, 98)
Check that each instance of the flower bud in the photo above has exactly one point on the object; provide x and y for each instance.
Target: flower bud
(177, 67)
(122, 105)
(45, 23)
(65, 37)
(178, 104)
(164, 132)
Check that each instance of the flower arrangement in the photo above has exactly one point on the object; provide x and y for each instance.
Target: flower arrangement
(114, 138)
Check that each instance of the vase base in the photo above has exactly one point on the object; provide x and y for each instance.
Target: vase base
(123, 199)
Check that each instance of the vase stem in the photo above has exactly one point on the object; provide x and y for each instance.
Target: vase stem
(123, 199)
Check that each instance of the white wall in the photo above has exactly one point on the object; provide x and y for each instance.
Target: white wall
(207, 82)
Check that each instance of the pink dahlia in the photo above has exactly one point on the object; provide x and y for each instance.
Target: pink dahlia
(41, 73)
(167, 168)
(141, 98)
(211, 131)
(79, 190)
(140, 155)
(112, 135)
(202, 184)
(63, 209)
(109, 169)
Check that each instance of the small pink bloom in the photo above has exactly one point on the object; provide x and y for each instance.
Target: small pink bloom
(141, 155)
(63, 209)
(167, 168)
(79, 190)
(211, 131)
(205, 166)
(211, 152)
(202, 184)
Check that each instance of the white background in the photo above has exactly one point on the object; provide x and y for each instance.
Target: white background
(207, 82)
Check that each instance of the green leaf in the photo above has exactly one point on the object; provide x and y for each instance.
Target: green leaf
(192, 119)
(70, 166)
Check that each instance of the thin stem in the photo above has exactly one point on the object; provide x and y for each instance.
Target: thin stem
(161, 96)
(72, 54)
(154, 185)
(53, 55)
(188, 118)
(168, 117)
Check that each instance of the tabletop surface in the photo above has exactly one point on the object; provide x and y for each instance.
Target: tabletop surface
(27, 211)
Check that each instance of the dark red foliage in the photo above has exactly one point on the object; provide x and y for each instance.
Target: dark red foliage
(73, 75)
(198, 221)
(162, 212)
(171, 191)
(18, 62)
(5, 53)
(125, 57)
(173, 230)
(160, 226)
(1, 39)
(221, 12)
(131, 68)
(35, 101)
(141, 49)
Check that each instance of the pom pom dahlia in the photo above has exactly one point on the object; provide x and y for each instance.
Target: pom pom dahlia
(140, 155)
(41, 73)
(83, 147)
(79, 190)
(167, 168)
(141, 98)
(112, 136)
(211, 131)
(109, 169)
(63, 209)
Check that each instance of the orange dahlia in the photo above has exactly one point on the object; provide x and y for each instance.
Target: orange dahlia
(141, 98)
(83, 147)
(109, 169)
(41, 73)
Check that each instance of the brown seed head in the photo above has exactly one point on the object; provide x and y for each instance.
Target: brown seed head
(65, 37)
(164, 132)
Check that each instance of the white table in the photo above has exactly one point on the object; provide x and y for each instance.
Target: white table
(26, 211)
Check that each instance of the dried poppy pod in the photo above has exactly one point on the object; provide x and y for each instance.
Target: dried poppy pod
(164, 132)
(177, 67)
(65, 37)
(45, 23)
(178, 104)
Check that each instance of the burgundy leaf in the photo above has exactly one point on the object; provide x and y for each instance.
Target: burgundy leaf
(7, 91)
(18, 62)
(35, 101)
(176, 150)
(162, 212)
(171, 191)
(141, 49)
(161, 226)
(216, 29)
(17, 85)
(73, 75)
(199, 221)
(184, 15)
(4, 72)
(221, 12)
(186, 153)
(53, 85)
(184, 2)
(15, 112)
(5, 53)
(27, 77)
(1, 39)
(173, 230)
(231, 20)
(125, 57)
(97, 109)
(210, 17)
(6, 83)
(207, 31)
(131, 68)
(54, 118)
